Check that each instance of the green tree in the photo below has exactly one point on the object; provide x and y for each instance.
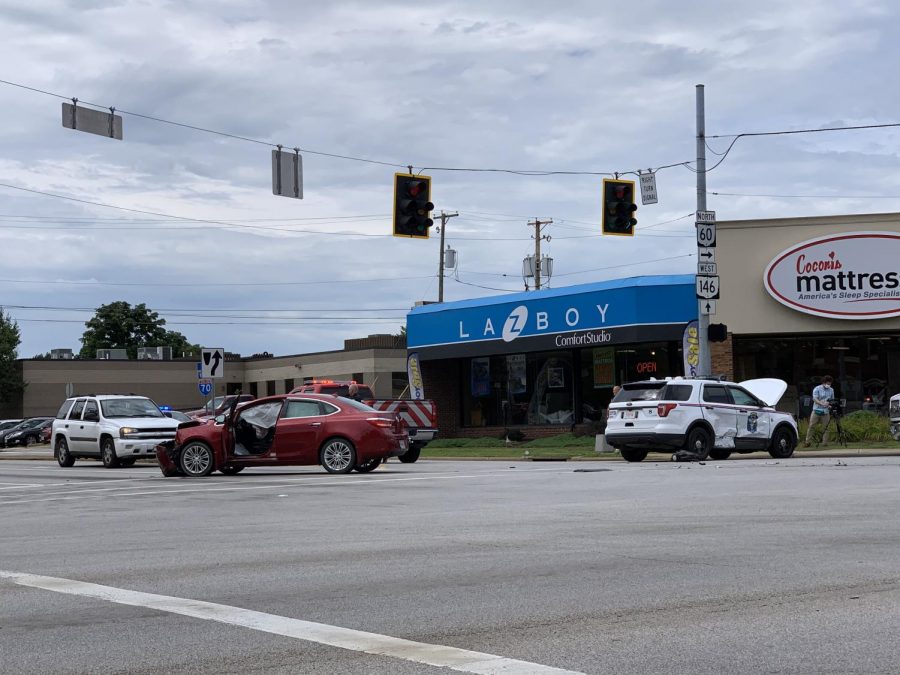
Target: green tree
(11, 383)
(118, 325)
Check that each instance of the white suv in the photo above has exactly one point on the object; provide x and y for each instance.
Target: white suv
(700, 418)
(118, 429)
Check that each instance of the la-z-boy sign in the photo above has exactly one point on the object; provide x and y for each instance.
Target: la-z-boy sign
(590, 315)
(855, 275)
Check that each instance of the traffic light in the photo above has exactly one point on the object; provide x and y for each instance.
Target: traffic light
(618, 207)
(412, 205)
(717, 332)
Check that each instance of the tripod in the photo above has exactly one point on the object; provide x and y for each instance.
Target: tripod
(841, 435)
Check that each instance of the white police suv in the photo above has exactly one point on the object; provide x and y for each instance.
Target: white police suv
(115, 428)
(700, 418)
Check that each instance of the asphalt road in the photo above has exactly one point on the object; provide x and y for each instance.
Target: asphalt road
(789, 566)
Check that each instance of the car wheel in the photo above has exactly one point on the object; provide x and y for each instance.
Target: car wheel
(29, 441)
(632, 455)
(698, 443)
(410, 455)
(63, 456)
(338, 456)
(108, 453)
(196, 460)
(231, 470)
(367, 467)
(719, 453)
(783, 443)
(128, 461)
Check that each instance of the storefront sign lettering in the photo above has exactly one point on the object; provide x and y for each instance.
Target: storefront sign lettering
(847, 276)
(517, 321)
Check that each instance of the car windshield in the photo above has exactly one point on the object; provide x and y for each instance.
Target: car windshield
(130, 407)
(355, 404)
(30, 424)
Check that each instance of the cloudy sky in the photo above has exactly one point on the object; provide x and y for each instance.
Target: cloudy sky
(588, 87)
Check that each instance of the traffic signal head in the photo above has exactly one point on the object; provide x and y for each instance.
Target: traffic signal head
(412, 205)
(717, 332)
(618, 207)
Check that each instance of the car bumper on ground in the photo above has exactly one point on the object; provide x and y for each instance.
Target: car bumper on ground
(165, 454)
(645, 440)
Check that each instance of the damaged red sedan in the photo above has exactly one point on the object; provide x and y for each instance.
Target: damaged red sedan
(338, 433)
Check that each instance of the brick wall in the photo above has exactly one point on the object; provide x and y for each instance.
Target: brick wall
(441, 380)
(722, 356)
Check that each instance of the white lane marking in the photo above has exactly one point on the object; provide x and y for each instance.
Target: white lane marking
(463, 660)
(322, 480)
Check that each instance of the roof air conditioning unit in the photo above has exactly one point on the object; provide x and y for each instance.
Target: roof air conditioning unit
(61, 354)
(154, 353)
(112, 354)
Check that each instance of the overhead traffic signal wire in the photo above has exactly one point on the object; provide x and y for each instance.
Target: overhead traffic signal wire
(330, 154)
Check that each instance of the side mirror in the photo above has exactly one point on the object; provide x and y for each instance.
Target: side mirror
(220, 419)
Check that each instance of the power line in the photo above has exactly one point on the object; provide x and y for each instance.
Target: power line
(213, 283)
(807, 131)
(221, 309)
(741, 194)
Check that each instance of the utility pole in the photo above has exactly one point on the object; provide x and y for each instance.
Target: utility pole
(537, 249)
(705, 365)
(444, 218)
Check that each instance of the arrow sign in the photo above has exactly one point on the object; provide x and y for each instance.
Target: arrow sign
(707, 255)
(707, 307)
(212, 362)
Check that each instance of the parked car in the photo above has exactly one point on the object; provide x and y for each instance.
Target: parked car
(218, 406)
(47, 431)
(117, 429)
(26, 430)
(25, 433)
(8, 424)
(289, 429)
(700, 418)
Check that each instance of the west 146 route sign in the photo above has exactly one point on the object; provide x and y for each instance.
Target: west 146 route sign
(708, 288)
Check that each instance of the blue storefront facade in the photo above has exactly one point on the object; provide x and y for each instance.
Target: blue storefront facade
(548, 360)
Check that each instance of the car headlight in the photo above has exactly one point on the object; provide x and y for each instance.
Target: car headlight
(126, 432)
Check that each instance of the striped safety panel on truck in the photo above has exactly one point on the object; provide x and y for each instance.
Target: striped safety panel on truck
(416, 414)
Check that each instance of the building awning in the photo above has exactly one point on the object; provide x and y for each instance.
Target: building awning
(619, 311)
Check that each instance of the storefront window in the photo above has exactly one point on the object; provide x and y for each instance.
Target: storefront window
(556, 388)
(866, 369)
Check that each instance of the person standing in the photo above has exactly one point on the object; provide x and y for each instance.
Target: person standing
(821, 412)
(353, 392)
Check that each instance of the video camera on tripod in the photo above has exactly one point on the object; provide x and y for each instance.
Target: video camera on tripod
(836, 406)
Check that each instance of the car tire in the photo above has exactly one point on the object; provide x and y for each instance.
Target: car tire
(410, 455)
(128, 461)
(783, 443)
(338, 456)
(633, 455)
(719, 454)
(108, 453)
(231, 470)
(63, 456)
(698, 443)
(196, 460)
(369, 466)
(28, 441)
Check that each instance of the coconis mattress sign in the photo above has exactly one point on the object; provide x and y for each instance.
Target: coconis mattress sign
(855, 275)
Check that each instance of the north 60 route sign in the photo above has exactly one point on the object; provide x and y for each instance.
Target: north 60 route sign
(708, 288)
(706, 235)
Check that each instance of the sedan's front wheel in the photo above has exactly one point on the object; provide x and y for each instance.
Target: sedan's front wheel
(196, 460)
(338, 456)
